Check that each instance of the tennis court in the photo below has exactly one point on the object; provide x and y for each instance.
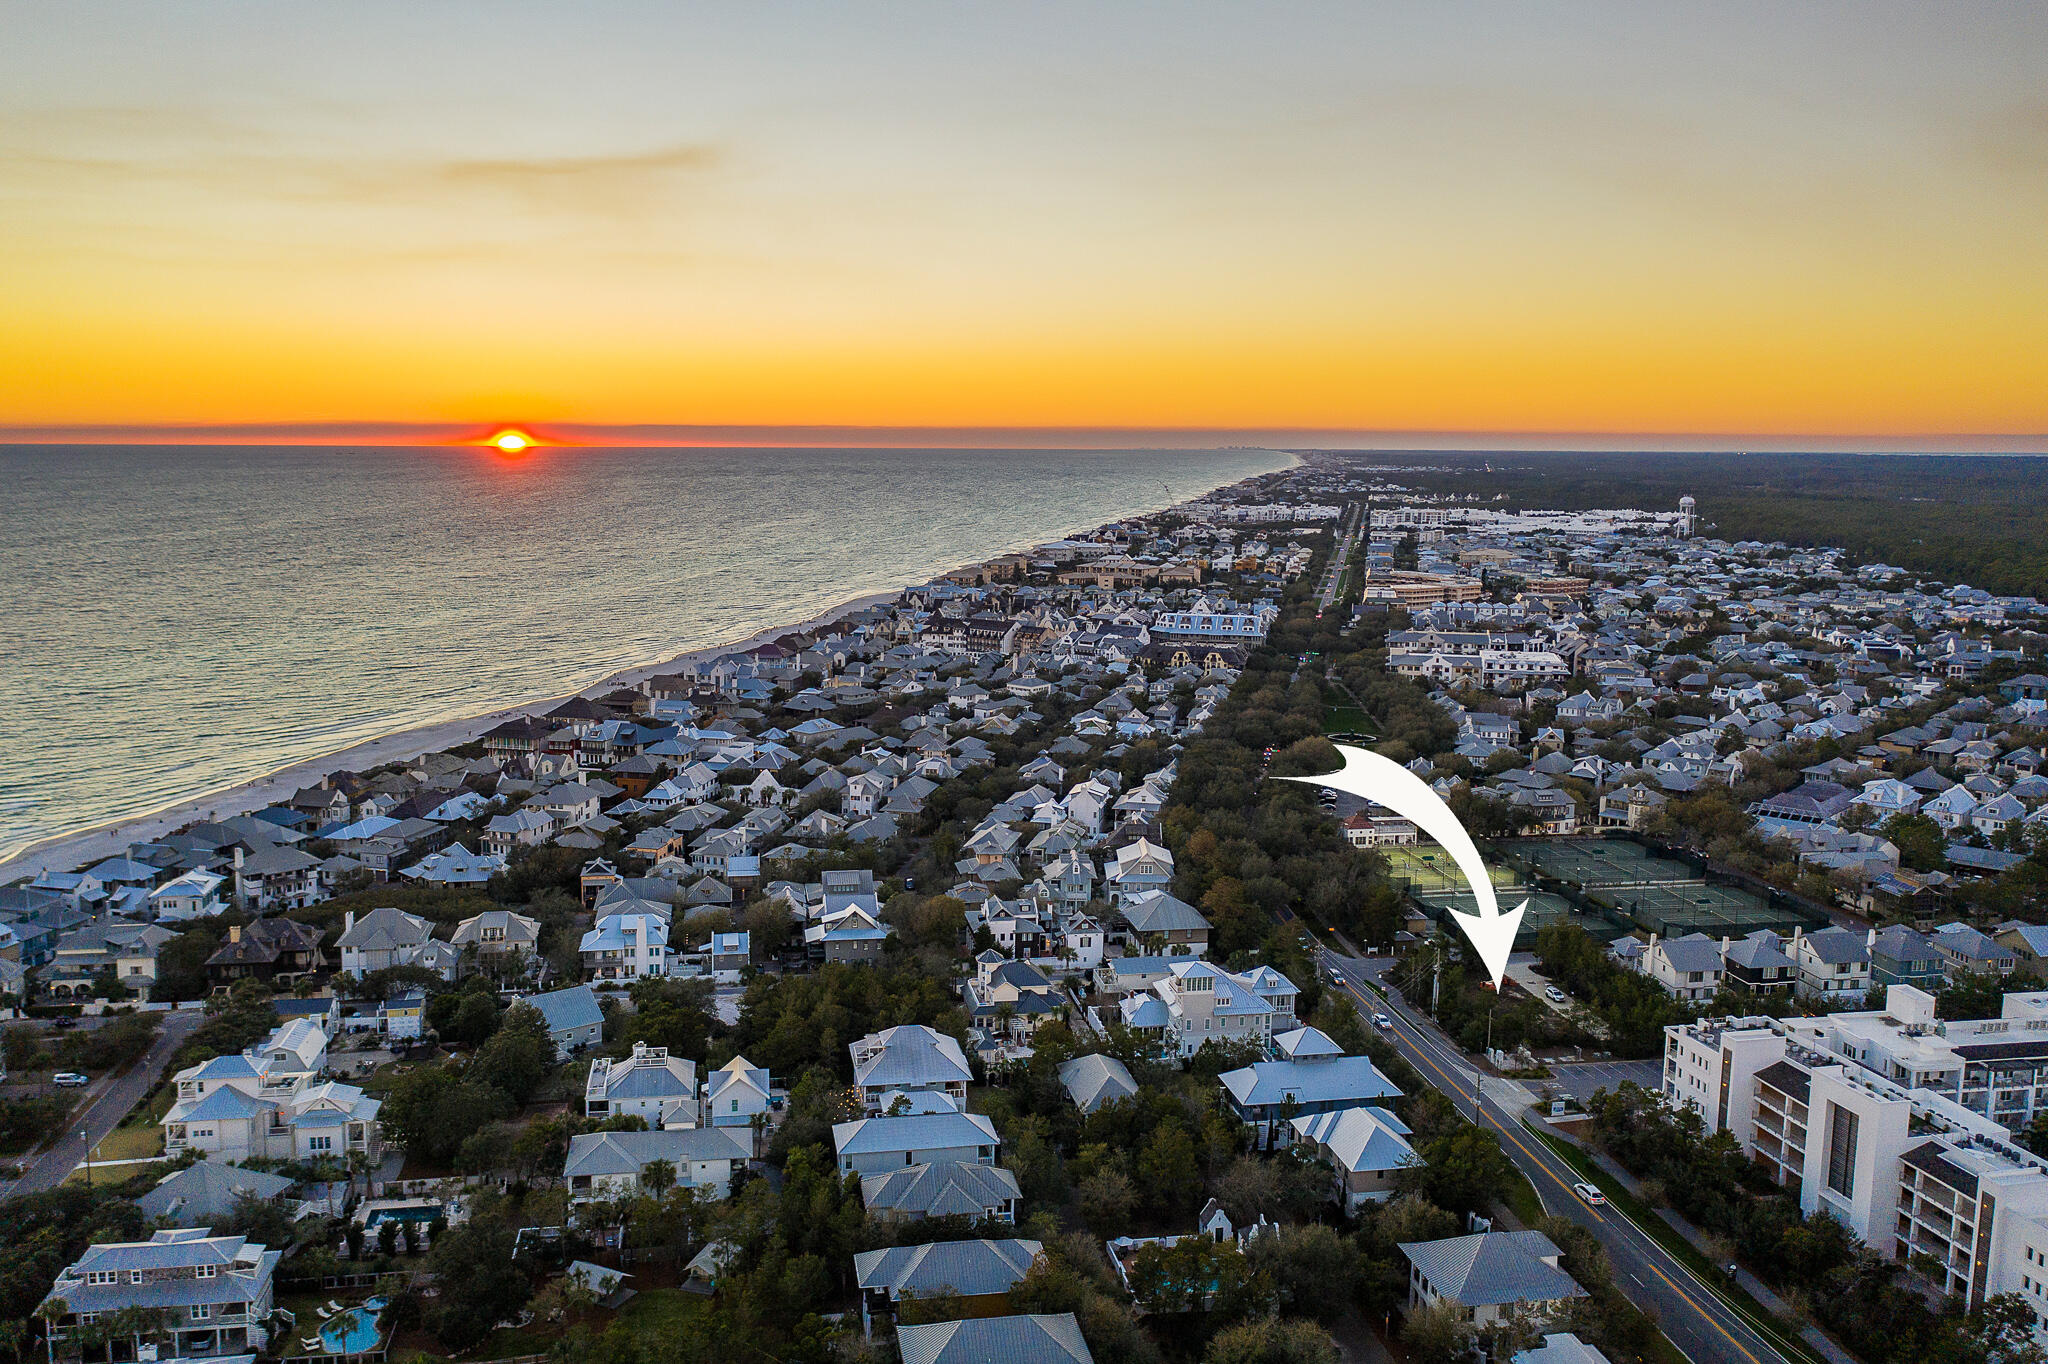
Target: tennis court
(1592, 862)
(1545, 909)
(1427, 869)
(1675, 908)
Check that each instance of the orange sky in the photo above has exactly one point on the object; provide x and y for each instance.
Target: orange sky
(1504, 217)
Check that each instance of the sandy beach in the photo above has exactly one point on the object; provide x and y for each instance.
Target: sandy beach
(65, 852)
(87, 846)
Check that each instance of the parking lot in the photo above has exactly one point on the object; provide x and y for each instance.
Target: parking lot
(1582, 1079)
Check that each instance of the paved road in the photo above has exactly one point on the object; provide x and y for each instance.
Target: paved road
(104, 1103)
(1351, 524)
(1694, 1317)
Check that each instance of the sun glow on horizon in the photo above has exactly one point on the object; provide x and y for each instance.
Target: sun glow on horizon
(512, 442)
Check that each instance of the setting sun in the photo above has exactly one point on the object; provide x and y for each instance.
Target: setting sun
(511, 442)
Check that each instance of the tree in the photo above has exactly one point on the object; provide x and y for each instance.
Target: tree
(1106, 1202)
(476, 1018)
(434, 1110)
(1035, 1160)
(658, 1177)
(518, 1057)
(1164, 1167)
(1438, 1334)
(480, 1285)
(1272, 1341)
(1922, 843)
(2001, 1328)
(1463, 1170)
(1195, 1273)
(1315, 1270)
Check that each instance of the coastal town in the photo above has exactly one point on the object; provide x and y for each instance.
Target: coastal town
(956, 979)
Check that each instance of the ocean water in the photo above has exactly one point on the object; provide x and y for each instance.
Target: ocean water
(178, 620)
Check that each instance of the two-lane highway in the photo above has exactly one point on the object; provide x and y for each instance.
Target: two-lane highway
(1695, 1317)
(103, 1106)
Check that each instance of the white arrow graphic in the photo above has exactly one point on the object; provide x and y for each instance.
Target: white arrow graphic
(1387, 783)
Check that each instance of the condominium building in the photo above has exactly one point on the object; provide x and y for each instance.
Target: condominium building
(1893, 1123)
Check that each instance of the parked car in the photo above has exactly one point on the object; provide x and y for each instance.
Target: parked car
(1553, 994)
(1592, 1195)
(70, 1079)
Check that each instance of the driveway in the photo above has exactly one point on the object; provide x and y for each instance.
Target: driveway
(1522, 971)
(102, 1106)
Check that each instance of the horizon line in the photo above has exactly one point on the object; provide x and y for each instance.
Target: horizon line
(649, 434)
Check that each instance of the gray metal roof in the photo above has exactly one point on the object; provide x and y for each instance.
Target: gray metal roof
(1833, 945)
(207, 1190)
(564, 1010)
(912, 1057)
(952, 1188)
(922, 1132)
(1092, 1081)
(966, 1269)
(1159, 912)
(1048, 1339)
(1307, 1082)
(624, 1153)
(1493, 1268)
(1693, 952)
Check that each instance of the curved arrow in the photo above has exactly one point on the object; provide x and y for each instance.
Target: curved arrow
(1384, 782)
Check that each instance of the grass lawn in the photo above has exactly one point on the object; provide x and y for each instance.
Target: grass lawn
(660, 1311)
(1662, 1232)
(130, 1143)
(1520, 1196)
(1347, 720)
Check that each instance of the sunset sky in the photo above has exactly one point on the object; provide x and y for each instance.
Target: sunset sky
(1634, 217)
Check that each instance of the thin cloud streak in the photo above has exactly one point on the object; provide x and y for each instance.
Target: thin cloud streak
(596, 435)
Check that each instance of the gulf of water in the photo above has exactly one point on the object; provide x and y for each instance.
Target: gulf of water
(176, 620)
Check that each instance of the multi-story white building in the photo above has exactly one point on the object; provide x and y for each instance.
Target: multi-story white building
(1204, 1003)
(213, 1293)
(625, 947)
(1884, 1120)
(648, 1084)
(270, 1103)
(909, 1059)
(1688, 968)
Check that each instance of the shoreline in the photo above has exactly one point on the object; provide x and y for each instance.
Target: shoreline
(111, 838)
(62, 852)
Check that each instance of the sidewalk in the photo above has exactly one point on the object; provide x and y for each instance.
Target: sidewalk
(1812, 1335)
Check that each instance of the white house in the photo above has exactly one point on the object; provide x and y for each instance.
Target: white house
(649, 1083)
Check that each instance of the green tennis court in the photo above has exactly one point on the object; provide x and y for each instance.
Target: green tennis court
(1594, 862)
(1427, 869)
(1545, 909)
(1674, 909)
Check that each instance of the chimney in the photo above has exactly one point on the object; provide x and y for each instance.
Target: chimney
(234, 932)
(348, 921)
(238, 859)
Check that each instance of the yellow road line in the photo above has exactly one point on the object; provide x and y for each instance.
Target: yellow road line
(1423, 1050)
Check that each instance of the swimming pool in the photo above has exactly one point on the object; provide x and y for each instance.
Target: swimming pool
(354, 1331)
(412, 1210)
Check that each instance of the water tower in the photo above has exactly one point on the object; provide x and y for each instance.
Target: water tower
(1687, 517)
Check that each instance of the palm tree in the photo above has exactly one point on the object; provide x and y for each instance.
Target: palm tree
(52, 1311)
(658, 1177)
